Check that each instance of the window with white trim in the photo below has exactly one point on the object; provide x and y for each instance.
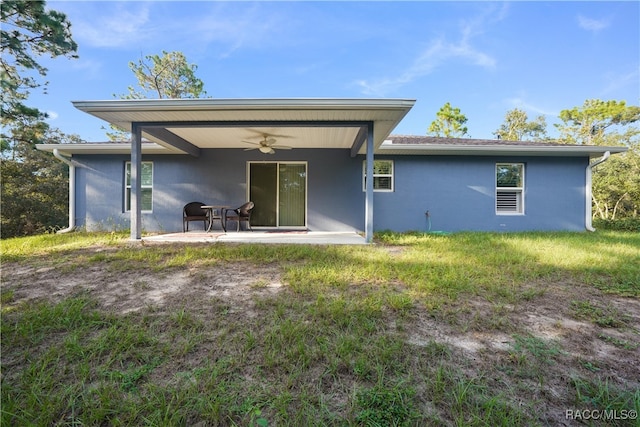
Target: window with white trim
(382, 175)
(509, 188)
(146, 178)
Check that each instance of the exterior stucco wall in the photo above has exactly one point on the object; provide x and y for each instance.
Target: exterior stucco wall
(335, 200)
(459, 193)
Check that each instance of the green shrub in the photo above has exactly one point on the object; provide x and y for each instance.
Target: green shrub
(621, 224)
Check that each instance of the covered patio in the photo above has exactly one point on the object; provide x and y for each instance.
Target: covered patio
(198, 128)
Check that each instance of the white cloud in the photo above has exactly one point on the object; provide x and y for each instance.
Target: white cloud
(594, 25)
(522, 104)
(131, 24)
(232, 27)
(620, 81)
(112, 27)
(439, 52)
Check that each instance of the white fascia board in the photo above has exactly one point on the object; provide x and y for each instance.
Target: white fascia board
(241, 103)
(488, 150)
(104, 148)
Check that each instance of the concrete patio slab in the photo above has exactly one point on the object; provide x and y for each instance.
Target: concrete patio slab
(289, 237)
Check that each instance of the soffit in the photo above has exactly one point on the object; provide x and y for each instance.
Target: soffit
(104, 148)
(295, 137)
(432, 145)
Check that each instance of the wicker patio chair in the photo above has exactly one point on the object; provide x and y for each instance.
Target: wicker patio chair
(193, 212)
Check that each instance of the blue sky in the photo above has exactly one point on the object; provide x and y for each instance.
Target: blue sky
(483, 57)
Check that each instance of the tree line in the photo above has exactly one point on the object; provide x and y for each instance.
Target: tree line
(34, 186)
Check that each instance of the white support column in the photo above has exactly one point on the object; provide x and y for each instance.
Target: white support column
(369, 186)
(136, 182)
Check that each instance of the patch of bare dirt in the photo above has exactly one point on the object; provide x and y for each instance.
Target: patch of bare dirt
(124, 292)
(577, 347)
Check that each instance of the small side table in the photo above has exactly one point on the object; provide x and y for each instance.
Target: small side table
(211, 212)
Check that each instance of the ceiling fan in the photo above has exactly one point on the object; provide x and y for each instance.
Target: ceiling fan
(266, 146)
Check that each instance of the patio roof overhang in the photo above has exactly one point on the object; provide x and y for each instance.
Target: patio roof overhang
(188, 125)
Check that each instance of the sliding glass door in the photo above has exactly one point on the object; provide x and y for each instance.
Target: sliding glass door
(279, 191)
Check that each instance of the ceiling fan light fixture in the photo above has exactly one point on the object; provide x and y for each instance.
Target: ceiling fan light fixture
(266, 146)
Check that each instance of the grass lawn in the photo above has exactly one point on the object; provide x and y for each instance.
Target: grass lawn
(468, 329)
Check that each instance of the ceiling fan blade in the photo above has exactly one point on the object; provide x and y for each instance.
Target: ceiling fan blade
(266, 146)
(262, 133)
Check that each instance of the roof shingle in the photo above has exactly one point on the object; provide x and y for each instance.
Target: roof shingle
(436, 140)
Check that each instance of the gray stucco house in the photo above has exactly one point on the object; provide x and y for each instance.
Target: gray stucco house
(304, 162)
